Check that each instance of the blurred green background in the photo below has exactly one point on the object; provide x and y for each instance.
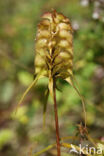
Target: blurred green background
(23, 132)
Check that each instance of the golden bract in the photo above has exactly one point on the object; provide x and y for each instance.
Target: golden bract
(53, 46)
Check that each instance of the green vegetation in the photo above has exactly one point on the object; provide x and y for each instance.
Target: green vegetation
(23, 133)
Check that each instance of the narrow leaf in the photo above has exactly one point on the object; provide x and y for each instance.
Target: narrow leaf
(27, 90)
(70, 81)
(44, 150)
(45, 107)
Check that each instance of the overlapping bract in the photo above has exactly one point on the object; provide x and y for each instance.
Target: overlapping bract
(53, 47)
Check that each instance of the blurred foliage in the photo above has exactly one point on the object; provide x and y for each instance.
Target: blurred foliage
(5, 136)
(18, 24)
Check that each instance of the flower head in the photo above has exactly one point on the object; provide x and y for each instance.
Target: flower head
(53, 48)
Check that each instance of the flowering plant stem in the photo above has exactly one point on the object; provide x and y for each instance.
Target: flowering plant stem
(56, 120)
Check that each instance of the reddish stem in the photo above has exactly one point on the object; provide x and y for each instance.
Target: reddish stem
(56, 121)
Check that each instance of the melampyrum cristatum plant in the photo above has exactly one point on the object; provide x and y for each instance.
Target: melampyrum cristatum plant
(54, 57)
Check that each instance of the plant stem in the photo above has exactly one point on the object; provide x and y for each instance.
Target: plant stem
(56, 120)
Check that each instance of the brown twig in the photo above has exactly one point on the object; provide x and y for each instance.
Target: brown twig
(56, 121)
